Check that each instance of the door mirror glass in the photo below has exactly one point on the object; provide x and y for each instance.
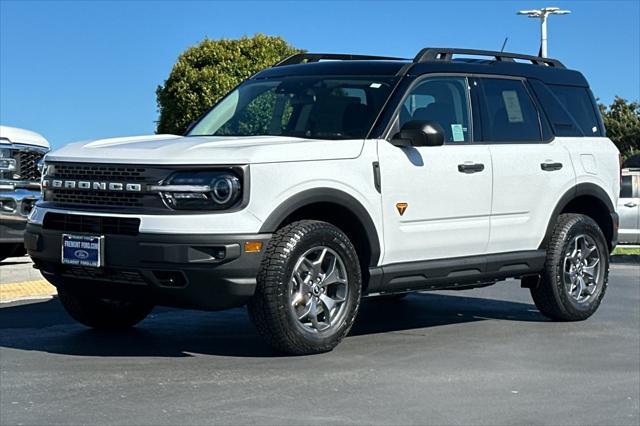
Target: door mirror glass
(419, 133)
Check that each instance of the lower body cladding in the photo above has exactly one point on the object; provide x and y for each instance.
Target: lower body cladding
(210, 272)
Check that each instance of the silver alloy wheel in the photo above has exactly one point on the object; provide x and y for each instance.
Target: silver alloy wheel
(582, 269)
(318, 289)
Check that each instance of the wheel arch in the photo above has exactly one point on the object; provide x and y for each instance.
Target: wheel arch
(591, 200)
(338, 208)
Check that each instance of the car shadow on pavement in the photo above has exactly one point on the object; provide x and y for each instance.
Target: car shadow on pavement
(45, 327)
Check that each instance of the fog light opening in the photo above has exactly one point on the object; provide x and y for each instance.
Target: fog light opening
(170, 278)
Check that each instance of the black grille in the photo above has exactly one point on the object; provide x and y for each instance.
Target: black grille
(95, 198)
(111, 275)
(27, 165)
(99, 199)
(99, 172)
(91, 224)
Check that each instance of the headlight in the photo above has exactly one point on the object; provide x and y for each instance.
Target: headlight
(7, 164)
(200, 190)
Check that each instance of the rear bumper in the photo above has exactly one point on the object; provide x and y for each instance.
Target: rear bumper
(615, 220)
(191, 271)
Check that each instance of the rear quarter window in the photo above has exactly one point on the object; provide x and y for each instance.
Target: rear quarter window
(577, 101)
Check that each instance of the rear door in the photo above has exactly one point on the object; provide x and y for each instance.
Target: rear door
(529, 174)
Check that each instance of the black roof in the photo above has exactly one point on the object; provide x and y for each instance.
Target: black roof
(429, 60)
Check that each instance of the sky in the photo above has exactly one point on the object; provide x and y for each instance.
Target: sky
(78, 70)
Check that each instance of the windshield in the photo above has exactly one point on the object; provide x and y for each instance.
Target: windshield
(305, 107)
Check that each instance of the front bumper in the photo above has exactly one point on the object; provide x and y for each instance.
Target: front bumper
(186, 271)
(15, 206)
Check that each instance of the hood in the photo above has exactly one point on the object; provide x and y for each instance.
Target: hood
(22, 136)
(202, 150)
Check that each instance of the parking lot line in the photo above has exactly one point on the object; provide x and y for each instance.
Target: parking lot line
(25, 290)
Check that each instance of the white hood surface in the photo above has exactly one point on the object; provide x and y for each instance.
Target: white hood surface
(203, 150)
(22, 136)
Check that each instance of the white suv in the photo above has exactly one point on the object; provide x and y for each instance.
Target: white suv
(330, 177)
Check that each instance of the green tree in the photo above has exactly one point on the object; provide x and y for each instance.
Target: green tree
(209, 70)
(622, 121)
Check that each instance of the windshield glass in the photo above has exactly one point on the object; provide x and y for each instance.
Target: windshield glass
(305, 107)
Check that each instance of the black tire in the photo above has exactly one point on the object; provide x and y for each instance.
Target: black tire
(102, 314)
(7, 250)
(270, 308)
(551, 296)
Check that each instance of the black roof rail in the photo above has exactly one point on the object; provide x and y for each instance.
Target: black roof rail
(303, 58)
(434, 54)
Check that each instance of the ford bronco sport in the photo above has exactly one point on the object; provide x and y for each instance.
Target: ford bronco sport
(326, 178)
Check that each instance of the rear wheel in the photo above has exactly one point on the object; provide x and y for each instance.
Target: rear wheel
(576, 270)
(308, 290)
(99, 313)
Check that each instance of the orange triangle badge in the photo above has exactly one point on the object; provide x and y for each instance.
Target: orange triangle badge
(401, 207)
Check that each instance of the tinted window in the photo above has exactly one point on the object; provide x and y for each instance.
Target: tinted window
(509, 114)
(562, 122)
(577, 100)
(626, 187)
(444, 100)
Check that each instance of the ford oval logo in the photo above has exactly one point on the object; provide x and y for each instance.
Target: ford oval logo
(81, 254)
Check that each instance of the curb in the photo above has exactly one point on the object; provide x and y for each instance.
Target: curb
(26, 290)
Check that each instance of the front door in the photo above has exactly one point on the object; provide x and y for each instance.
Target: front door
(436, 201)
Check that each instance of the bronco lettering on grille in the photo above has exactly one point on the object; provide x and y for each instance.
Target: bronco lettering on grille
(94, 185)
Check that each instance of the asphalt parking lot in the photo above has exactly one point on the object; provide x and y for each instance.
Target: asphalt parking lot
(482, 356)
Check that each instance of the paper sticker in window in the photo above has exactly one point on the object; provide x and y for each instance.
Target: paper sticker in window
(512, 106)
(457, 132)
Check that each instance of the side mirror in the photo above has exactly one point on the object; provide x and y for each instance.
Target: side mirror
(419, 133)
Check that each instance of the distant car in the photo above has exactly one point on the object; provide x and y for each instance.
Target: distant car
(629, 207)
(20, 152)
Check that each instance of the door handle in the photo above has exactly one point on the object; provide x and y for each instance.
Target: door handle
(470, 168)
(550, 167)
(630, 204)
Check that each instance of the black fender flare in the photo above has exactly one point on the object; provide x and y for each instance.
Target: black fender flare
(326, 195)
(585, 188)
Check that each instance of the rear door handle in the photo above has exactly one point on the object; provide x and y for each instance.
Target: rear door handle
(470, 168)
(630, 204)
(550, 167)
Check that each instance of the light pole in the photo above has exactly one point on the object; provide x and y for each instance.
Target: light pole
(542, 14)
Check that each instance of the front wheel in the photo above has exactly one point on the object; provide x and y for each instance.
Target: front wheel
(99, 313)
(576, 270)
(308, 288)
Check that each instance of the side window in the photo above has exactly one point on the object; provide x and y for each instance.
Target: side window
(577, 100)
(626, 187)
(444, 100)
(509, 114)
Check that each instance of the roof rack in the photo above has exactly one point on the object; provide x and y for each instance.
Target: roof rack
(302, 58)
(435, 54)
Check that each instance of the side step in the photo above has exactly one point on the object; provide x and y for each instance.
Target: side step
(456, 273)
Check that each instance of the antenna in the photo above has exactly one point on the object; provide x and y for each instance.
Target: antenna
(506, 39)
